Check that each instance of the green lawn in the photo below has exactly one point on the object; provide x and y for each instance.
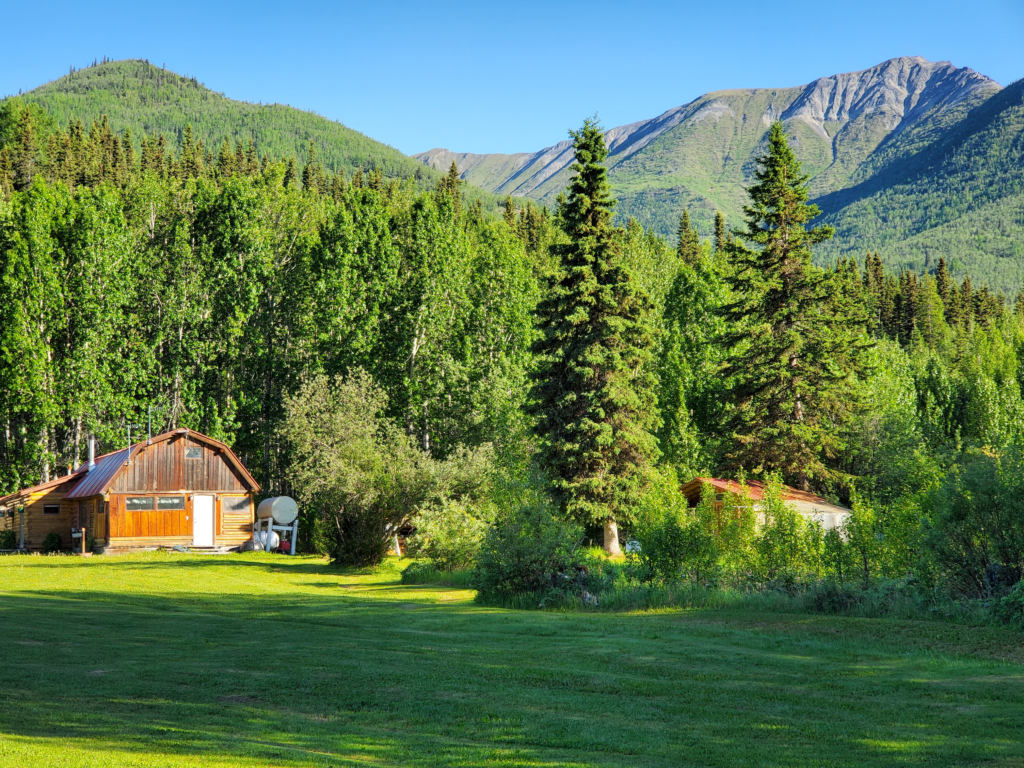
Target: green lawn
(249, 660)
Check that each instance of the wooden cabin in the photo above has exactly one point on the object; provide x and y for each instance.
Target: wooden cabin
(807, 504)
(180, 487)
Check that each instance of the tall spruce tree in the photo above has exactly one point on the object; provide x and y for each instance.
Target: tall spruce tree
(689, 241)
(720, 235)
(792, 360)
(593, 394)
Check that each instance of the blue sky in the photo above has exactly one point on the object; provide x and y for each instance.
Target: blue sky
(502, 77)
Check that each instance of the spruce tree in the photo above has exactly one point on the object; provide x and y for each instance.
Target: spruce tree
(689, 242)
(25, 156)
(792, 360)
(450, 186)
(593, 387)
(291, 174)
(720, 236)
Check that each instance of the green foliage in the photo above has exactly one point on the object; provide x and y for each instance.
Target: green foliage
(1010, 608)
(674, 542)
(449, 535)
(793, 343)
(359, 472)
(52, 543)
(784, 543)
(975, 531)
(8, 539)
(527, 550)
(593, 392)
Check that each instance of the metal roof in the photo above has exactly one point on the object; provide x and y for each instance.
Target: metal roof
(755, 489)
(96, 481)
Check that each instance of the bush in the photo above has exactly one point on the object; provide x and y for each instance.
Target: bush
(675, 541)
(8, 540)
(359, 473)
(528, 550)
(52, 543)
(449, 535)
(976, 532)
(1010, 609)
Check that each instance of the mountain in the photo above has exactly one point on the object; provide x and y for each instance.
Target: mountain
(137, 95)
(912, 158)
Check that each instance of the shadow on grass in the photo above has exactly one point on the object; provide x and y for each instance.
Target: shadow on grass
(328, 678)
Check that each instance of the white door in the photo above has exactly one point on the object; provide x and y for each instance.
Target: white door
(202, 521)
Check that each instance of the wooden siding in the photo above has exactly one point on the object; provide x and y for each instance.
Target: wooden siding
(162, 467)
(38, 524)
(172, 523)
(235, 516)
(232, 526)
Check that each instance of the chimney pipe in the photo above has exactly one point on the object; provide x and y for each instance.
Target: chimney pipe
(92, 453)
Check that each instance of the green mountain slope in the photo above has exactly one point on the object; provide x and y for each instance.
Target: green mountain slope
(959, 197)
(912, 158)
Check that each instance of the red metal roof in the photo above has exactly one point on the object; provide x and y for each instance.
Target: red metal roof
(96, 481)
(754, 489)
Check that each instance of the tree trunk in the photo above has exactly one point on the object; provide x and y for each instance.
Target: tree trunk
(611, 538)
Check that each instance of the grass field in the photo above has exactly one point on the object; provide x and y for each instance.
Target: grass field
(181, 660)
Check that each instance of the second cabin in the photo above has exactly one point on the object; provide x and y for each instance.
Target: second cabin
(180, 487)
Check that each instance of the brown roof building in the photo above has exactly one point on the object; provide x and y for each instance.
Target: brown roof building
(180, 487)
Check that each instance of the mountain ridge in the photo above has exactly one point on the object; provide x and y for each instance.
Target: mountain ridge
(528, 174)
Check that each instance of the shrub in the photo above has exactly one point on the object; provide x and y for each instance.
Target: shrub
(8, 540)
(52, 543)
(449, 535)
(361, 474)
(1010, 609)
(976, 531)
(528, 550)
(675, 541)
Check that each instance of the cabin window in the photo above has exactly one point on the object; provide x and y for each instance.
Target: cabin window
(234, 503)
(719, 496)
(137, 503)
(193, 452)
(51, 509)
(170, 502)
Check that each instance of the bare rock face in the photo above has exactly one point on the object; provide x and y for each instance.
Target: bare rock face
(702, 152)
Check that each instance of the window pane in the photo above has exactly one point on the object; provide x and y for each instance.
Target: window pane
(234, 503)
(193, 452)
(51, 509)
(170, 502)
(135, 503)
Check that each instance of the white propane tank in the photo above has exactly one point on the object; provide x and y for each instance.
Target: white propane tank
(282, 509)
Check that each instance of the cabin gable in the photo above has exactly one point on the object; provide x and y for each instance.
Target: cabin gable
(181, 463)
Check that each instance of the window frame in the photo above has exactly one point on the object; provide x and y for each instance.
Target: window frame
(188, 448)
(150, 508)
(170, 509)
(48, 507)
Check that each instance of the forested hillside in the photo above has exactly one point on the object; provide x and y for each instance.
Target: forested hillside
(143, 99)
(150, 100)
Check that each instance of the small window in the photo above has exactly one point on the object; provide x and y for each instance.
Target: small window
(234, 503)
(719, 496)
(193, 452)
(51, 509)
(137, 503)
(170, 502)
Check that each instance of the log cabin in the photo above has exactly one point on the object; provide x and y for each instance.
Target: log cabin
(180, 487)
(812, 507)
